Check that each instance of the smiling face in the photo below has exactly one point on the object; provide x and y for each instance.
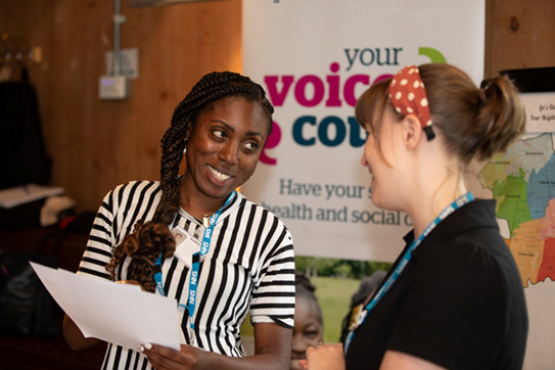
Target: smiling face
(307, 330)
(224, 147)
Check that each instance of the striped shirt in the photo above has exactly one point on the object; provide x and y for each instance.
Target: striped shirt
(249, 268)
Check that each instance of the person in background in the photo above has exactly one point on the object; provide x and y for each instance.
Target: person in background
(454, 298)
(246, 263)
(308, 329)
(360, 298)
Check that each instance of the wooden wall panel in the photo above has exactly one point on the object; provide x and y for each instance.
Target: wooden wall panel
(97, 144)
(519, 34)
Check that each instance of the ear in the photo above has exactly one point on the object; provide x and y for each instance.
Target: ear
(412, 131)
(188, 133)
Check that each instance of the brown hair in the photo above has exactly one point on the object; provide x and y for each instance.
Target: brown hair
(151, 239)
(473, 126)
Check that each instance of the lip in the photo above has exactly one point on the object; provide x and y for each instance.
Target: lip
(216, 180)
(295, 364)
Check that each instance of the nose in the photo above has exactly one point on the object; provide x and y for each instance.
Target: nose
(298, 345)
(363, 160)
(229, 153)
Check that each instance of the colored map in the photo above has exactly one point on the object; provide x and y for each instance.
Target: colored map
(523, 183)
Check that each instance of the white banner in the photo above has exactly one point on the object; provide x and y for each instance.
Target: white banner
(315, 58)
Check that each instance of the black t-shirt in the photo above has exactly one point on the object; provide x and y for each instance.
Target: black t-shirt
(459, 303)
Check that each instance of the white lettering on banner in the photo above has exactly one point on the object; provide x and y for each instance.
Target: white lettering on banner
(192, 298)
(194, 275)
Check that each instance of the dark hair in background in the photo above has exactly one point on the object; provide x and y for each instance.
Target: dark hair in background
(366, 289)
(304, 288)
(151, 239)
(474, 123)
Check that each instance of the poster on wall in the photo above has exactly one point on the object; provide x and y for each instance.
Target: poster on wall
(314, 58)
(522, 180)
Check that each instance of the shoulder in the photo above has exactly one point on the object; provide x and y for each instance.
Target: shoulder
(133, 192)
(132, 186)
(133, 189)
(268, 215)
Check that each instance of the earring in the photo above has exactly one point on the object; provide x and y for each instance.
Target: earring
(185, 150)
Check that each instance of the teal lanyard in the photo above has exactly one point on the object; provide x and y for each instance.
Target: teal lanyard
(197, 257)
(467, 198)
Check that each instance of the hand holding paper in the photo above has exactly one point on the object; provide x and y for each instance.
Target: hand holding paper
(115, 313)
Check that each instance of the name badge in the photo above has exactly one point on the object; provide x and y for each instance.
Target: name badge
(185, 245)
(355, 317)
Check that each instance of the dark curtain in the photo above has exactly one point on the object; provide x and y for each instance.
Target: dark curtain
(23, 157)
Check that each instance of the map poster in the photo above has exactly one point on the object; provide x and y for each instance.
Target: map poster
(522, 180)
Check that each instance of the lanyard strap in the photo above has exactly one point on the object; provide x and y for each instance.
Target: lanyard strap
(405, 259)
(197, 257)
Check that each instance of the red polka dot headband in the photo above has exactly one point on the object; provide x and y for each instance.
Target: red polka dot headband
(408, 96)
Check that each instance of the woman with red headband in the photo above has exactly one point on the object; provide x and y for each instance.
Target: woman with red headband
(453, 299)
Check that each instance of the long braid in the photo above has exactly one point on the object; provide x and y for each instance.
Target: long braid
(153, 238)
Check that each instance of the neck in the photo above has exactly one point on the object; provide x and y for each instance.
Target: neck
(432, 200)
(196, 203)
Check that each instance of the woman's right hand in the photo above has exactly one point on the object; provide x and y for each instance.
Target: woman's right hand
(74, 337)
(326, 357)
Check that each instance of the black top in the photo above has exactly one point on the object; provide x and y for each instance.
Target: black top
(459, 303)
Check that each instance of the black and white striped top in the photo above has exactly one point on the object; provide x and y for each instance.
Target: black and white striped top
(249, 268)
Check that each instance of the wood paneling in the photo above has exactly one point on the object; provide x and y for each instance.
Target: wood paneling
(97, 144)
(519, 34)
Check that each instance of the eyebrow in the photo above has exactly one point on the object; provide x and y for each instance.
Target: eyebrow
(232, 129)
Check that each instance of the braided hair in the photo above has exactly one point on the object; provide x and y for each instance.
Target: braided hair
(151, 239)
(304, 288)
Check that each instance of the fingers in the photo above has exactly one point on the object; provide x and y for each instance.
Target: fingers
(130, 282)
(165, 358)
(326, 356)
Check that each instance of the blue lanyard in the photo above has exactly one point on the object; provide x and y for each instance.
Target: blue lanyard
(467, 198)
(197, 257)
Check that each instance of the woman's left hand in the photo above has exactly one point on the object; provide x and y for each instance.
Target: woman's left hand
(162, 358)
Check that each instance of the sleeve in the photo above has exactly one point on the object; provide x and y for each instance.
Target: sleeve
(273, 297)
(454, 314)
(100, 245)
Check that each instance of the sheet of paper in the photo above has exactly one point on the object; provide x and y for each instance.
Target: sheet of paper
(26, 193)
(115, 313)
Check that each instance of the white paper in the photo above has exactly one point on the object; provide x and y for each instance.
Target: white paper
(540, 111)
(114, 313)
(26, 193)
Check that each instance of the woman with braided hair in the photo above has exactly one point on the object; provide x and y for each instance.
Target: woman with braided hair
(160, 234)
(453, 299)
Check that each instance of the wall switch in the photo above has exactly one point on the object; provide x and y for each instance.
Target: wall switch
(114, 87)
